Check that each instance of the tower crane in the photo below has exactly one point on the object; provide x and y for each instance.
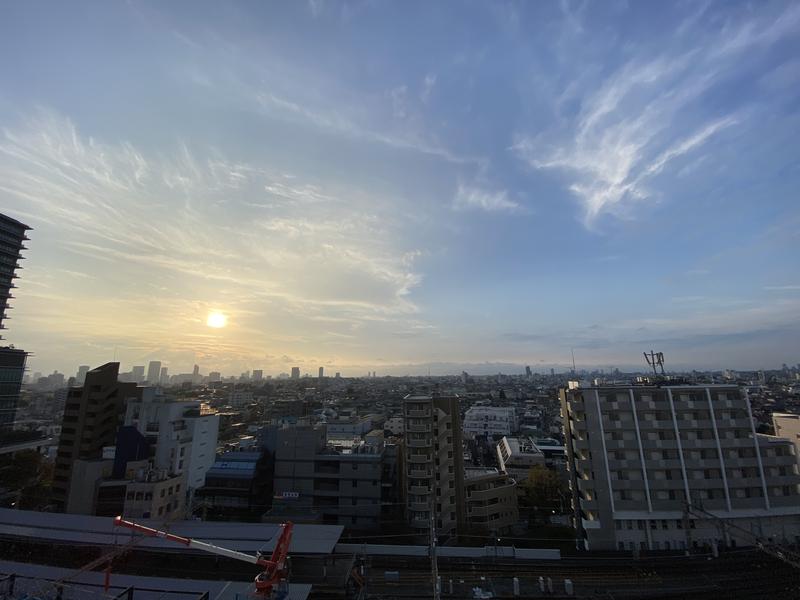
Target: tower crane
(275, 568)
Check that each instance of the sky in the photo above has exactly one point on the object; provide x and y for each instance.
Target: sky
(388, 186)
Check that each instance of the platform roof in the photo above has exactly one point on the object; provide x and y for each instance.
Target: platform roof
(244, 537)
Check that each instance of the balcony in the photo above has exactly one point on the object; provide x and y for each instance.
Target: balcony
(419, 490)
(418, 414)
(418, 428)
(423, 443)
(420, 473)
(419, 458)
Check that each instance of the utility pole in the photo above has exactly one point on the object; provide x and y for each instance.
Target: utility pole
(434, 562)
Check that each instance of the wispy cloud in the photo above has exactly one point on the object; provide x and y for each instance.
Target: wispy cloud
(473, 198)
(635, 125)
(306, 253)
(782, 288)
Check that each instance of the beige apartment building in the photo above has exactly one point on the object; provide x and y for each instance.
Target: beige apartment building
(635, 454)
(434, 464)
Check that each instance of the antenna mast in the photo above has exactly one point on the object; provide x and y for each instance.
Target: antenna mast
(655, 360)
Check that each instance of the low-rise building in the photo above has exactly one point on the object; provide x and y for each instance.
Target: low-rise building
(490, 421)
(394, 425)
(516, 456)
(491, 500)
(335, 481)
(238, 485)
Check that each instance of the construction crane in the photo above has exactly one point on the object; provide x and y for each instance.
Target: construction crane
(275, 568)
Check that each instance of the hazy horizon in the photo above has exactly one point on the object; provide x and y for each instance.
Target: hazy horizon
(367, 185)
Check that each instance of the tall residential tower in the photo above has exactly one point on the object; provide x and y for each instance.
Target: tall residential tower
(12, 360)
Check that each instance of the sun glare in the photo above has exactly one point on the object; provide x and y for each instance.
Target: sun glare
(216, 319)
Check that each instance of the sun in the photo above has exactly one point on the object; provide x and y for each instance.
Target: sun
(216, 319)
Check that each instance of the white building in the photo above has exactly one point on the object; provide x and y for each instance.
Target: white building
(787, 426)
(517, 455)
(636, 455)
(491, 420)
(184, 434)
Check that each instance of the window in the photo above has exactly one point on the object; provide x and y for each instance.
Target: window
(354, 483)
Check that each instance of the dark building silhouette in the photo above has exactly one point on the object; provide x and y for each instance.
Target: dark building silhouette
(92, 415)
(12, 360)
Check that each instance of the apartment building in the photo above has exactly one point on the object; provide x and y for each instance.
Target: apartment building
(92, 415)
(140, 492)
(336, 482)
(183, 433)
(12, 360)
(434, 464)
(491, 421)
(635, 454)
(491, 500)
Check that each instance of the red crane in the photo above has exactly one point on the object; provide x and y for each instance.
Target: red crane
(275, 568)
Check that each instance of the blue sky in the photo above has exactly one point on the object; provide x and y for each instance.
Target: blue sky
(376, 185)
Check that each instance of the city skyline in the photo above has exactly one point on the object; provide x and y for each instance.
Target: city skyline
(524, 185)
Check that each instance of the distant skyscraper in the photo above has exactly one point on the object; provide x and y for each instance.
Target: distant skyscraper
(295, 372)
(552, 372)
(214, 376)
(154, 372)
(163, 376)
(258, 374)
(321, 372)
(12, 360)
(338, 375)
(528, 372)
(81, 376)
(137, 374)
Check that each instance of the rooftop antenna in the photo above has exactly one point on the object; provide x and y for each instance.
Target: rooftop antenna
(655, 359)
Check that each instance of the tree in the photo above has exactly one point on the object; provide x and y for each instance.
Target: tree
(543, 491)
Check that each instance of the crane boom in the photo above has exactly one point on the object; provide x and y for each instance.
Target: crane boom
(275, 569)
(255, 560)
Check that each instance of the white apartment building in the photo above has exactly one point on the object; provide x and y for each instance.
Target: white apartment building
(637, 454)
(491, 420)
(516, 456)
(183, 432)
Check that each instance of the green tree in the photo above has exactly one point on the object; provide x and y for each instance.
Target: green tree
(542, 492)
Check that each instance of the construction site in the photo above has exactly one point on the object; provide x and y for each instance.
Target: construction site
(65, 557)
